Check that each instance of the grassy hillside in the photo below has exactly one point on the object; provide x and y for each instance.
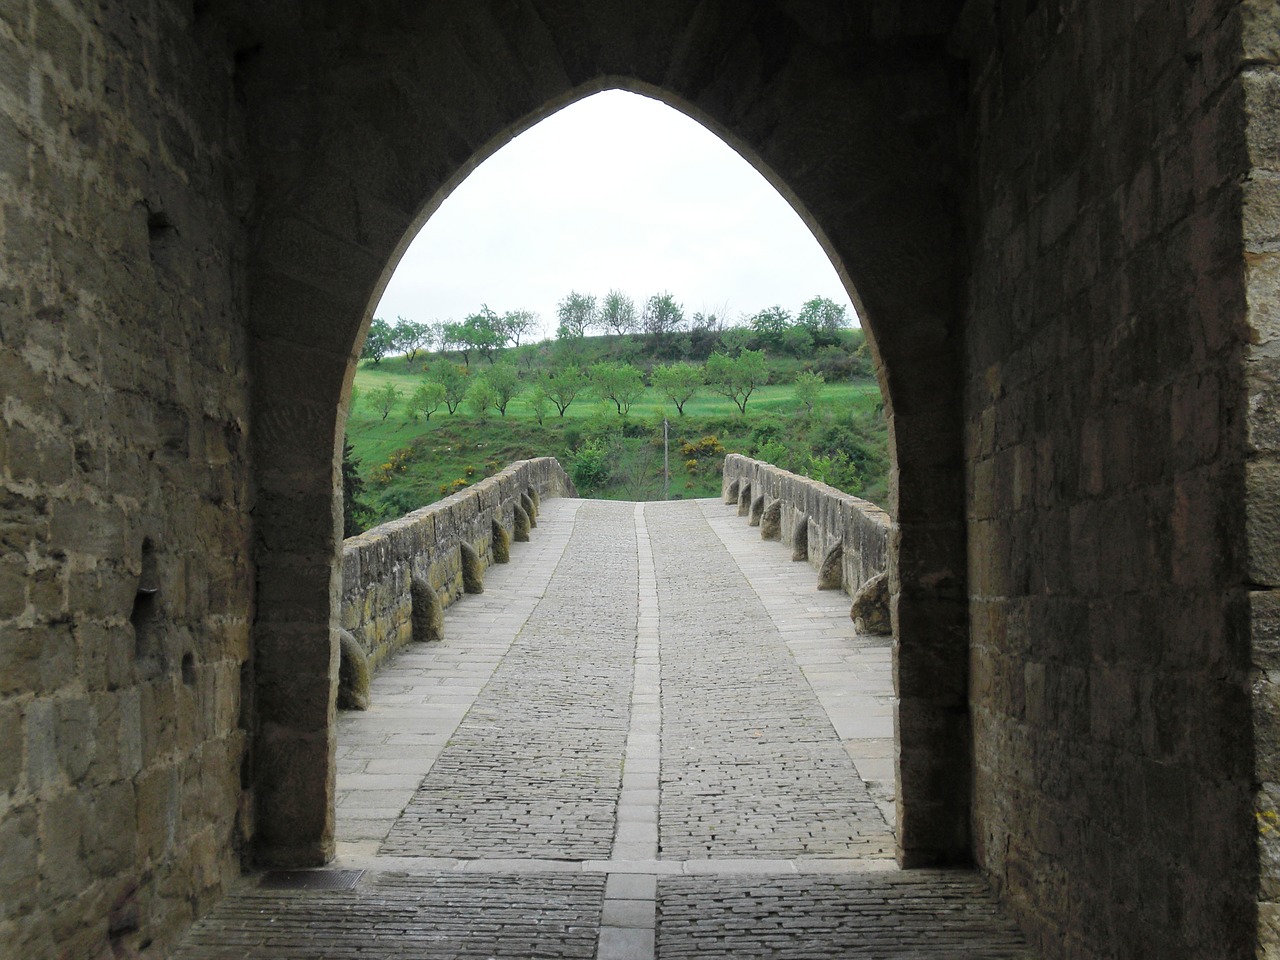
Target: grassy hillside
(405, 463)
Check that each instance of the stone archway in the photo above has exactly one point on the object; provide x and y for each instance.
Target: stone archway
(365, 120)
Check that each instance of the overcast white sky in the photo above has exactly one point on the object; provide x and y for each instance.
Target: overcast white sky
(614, 191)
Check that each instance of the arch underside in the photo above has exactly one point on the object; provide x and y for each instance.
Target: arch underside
(360, 142)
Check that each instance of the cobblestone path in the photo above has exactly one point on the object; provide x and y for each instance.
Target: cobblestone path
(751, 764)
(535, 768)
(649, 737)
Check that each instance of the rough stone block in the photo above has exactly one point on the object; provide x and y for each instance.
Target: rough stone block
(353, 674)
(501, 544)
(870, 609)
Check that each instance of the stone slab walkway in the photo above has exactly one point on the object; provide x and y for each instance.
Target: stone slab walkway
(650, 736)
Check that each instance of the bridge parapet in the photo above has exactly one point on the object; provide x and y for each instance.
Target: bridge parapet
(380, 566)
(842, 537)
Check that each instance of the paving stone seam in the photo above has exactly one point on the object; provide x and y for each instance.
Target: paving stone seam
(628, 921)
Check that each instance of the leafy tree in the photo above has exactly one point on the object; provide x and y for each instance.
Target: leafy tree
(426, 400)
(504, 381)
(770, 324)
(484, 331)
(378, 342)
(796, 341)
(519, 323)
(456, 337)
(384, 399)
(662, 315)
(480, 396)
(577, 314)
(735, 340)
(737, 377)
(821, 315)
(562, 386)
(409, 337)
(538, 404)
(450, 376)
(354, 509)
(619, 382)
(589, 468)
(678, 382)
(709, 321)
(618, 313)
(809, 389)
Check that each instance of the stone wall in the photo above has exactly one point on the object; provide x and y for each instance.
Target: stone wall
(378, 566)
(1105, 408)
(1260, 78)
(812, 518)
(125, 489)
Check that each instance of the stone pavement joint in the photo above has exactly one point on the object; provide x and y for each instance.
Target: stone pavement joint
(650, 736)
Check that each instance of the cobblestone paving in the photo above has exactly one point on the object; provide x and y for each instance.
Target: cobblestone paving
(397, 916)
(921, 915)
(535, 767)
(751, 765)
(502, 792)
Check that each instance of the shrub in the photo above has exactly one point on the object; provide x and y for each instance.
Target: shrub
(589, 467)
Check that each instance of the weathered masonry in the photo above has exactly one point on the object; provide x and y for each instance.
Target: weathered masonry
(1061, 224)
(397, 577)
(846, 540)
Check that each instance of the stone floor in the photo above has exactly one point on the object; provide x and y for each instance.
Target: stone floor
(650, 736)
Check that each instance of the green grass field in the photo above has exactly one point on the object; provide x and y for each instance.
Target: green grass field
(405, 463)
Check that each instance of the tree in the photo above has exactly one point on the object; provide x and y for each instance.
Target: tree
(662, 315)
(577, 314)
(797, 341)
(737, 377)
(409, 337)
(456, 337)
(426, 399)
(483, 331)
(562, 386)
(450, 376)
(735, 340)
(809, 389)
(538, 404)
(678, 382)
(480, 396)
(378, 342)
(770, 324)
(353, 508)
(504, 381)
(822, 316)
(519, 323)
(619, 382)
(618, 313)
(384, 399)
(710, 320)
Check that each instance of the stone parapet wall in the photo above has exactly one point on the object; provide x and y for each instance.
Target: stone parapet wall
(831, 519)
(379, 566)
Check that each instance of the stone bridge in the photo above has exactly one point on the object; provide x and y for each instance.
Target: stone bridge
(1059, 221)
(641, 731)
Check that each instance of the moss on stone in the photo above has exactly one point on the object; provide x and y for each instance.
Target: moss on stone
(501, 544)
(870, 609)
(522, 525)
(427, 614)
(830, 574)
(353, 673)
(771, 521)
(800, 538)
(472, 569)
